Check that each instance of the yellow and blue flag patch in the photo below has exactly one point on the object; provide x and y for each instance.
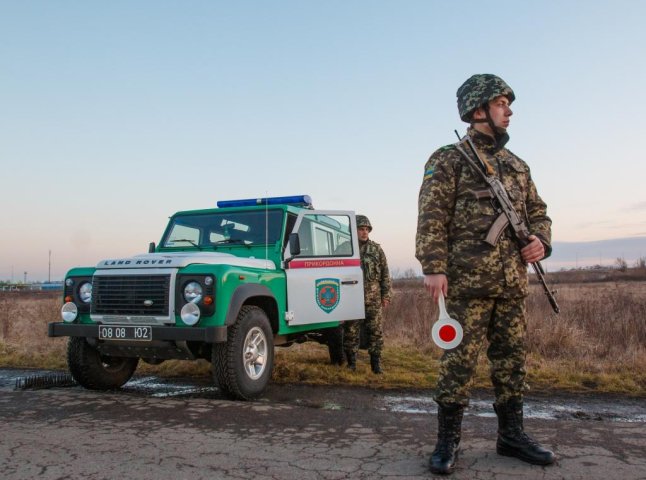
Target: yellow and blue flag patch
(428, 174)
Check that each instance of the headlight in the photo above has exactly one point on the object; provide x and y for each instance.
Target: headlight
(69, 312)
(193, 292)
(190, 314)
(85, 292)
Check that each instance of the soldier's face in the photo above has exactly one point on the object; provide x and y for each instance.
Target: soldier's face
(499, 112)
(363, 233)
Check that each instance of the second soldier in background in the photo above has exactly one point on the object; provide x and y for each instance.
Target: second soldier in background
(377, 291)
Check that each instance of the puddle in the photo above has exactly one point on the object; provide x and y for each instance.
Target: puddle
(331, 406)
(559, 407)
(160, 388)
(549, 409)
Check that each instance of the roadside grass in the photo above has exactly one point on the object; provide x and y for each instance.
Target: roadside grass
(11, 356)
(596, 345)
(406, 368)
(573, 376)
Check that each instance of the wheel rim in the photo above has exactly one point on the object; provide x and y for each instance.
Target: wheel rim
(254, 353)
(112, 364)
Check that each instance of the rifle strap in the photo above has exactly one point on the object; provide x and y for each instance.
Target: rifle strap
(473, 164)
(490, 170)
(488, 167)
(470, 161)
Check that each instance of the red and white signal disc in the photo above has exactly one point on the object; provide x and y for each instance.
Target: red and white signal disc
(446, 332)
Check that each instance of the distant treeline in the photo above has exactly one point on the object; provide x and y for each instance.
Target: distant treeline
(594, 274)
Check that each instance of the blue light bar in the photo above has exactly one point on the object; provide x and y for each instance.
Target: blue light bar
(294, 200)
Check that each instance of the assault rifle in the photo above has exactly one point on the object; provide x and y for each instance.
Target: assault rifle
(507, 215)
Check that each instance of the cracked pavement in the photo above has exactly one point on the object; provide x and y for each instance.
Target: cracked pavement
(293, 432)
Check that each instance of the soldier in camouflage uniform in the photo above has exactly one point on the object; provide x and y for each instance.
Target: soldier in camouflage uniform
(485, 285)
(377, 292)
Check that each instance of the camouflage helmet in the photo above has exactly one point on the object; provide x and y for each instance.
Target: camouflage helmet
(478, 90)
(362, 221)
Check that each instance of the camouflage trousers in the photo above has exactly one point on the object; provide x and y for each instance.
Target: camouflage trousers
(372, 322)
(502, 322)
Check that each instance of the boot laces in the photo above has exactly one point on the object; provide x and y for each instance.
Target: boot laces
(522, 437)
(446, 448)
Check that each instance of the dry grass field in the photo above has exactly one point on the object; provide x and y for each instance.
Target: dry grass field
(597, 341)
(596, 344)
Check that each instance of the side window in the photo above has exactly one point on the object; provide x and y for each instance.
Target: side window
(322, 241)
(325, 236)
(343, 245)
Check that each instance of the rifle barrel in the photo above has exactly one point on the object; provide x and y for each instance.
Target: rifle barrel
(538, 269)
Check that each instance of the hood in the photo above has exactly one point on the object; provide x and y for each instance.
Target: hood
(183, 259)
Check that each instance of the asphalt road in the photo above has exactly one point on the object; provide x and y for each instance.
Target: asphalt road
(291, 433)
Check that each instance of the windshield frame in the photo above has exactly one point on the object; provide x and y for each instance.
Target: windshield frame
(232, 228)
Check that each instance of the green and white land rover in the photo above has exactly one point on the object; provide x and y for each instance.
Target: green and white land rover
(226, 284)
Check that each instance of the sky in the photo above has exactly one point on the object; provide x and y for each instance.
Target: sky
(114, 115)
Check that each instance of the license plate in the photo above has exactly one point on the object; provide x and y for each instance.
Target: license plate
(125, 332)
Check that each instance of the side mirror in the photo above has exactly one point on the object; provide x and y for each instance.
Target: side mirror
(151, 247)
(294, 244)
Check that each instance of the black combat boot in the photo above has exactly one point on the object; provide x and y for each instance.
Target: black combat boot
(449, 420)
(513, 441)
(352, 359)
(375, 364)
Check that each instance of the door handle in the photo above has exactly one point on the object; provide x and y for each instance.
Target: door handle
(349, 282)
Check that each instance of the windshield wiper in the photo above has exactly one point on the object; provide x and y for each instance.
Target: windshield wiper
(232, 240)
(188, 241)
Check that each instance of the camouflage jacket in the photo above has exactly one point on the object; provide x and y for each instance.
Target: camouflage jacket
(376, 277)
(453, 221)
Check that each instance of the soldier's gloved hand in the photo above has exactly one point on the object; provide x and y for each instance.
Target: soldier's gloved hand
(533, 251)
(385, 303)
(436, 283)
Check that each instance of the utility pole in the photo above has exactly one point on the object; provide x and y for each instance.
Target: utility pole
(49, 271)
(25, 282)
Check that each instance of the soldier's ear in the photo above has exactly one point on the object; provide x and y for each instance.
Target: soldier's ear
(479, 115)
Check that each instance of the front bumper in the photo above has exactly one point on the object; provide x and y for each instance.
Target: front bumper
(182, 334)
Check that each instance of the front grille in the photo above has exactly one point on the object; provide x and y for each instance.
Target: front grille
(126, 294)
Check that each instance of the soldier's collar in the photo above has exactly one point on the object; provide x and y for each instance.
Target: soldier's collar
(487, 143)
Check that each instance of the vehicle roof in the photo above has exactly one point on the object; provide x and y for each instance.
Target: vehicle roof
(287, 208)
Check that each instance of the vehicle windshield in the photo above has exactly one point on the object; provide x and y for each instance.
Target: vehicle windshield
(214, 229)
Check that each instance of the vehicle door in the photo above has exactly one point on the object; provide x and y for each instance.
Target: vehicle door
(324, 281)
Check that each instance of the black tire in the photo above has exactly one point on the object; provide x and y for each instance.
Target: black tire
(334, 340)
(95, 371)
(242, 367)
